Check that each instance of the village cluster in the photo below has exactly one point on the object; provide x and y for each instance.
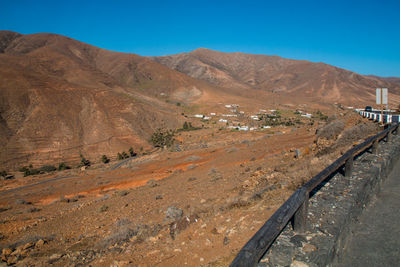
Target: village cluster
(237, 119)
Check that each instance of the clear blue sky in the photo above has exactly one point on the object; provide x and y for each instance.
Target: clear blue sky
(362, 36)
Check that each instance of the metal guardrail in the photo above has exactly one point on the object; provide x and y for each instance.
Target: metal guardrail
(295, 208)
(376, 116)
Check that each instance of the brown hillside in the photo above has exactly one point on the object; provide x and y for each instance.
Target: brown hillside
(293, 78)
(60, 97)
(387, 79)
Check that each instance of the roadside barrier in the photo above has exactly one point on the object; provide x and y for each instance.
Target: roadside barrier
(295, 208)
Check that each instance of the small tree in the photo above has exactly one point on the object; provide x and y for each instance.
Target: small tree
(3, 173)
(125, 155)
(131, 152)
(163, 138)
(29, 170)
(62, 166)
(84, 162)
(48, 168)
(104, 159)
(119, 156)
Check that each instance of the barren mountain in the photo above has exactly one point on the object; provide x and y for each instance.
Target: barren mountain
(297, 78)
(395, 80)
(60, 97)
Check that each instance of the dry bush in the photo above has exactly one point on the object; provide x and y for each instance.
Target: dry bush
(331, 130)
(357, 132)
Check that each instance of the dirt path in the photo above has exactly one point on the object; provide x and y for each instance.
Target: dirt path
(2, 193)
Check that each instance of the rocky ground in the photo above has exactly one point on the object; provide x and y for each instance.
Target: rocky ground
(195, 205)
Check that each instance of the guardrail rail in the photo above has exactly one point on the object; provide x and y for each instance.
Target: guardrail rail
(295, 208)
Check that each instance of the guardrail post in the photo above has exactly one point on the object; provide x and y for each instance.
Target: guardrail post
(375, 147)
(300, 217)
(348, 167)
(389, 136)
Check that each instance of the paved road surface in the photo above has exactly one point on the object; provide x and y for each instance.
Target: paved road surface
(376, 241)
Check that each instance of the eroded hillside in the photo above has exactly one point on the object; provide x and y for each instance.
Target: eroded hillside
(318, 82)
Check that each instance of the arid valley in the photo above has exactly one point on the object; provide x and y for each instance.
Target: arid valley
(115, 159)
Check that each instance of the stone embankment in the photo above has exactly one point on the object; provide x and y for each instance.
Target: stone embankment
(333, 210)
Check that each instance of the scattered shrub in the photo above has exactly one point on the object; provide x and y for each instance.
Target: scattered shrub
(131, 152)
(123, 193)
(119, 156)
(3, 173)
(103, 208)
(187, 126)
(163, 138)
(48, 168)
(125, 155)
(23, 169)
(22, 202)
(62, 166)
(331, 130)
(34, 209)
(276, 121)
(321, 116)
(84, 162)
(29, 170)
(104, 159)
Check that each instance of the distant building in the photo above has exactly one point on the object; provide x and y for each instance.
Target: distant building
(254, 117)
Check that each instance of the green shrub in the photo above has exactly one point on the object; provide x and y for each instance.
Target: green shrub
(104, 159)
(321, 116)
(29, 170)
(84, 162)
(62, 166)
(125, 155)
(163, 138)
(48, 168)
(187, 126)
(23, 169)
(103, 208)
(119, 156)
(131, 152)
